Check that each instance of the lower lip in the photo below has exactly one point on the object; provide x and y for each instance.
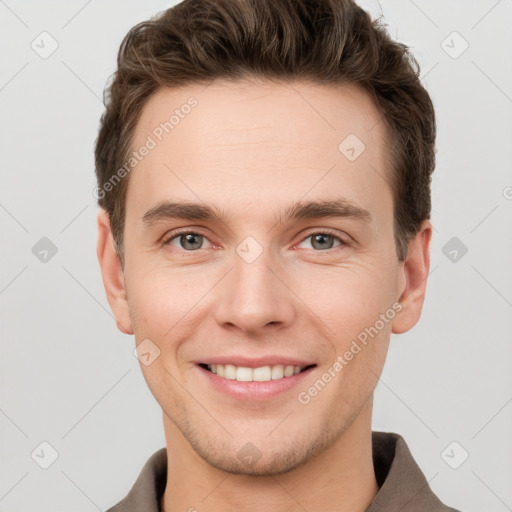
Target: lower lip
(254, 391)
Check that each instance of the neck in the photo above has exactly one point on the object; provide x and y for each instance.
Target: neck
(340, 478)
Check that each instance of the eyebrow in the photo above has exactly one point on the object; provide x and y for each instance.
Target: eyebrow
(297, 211)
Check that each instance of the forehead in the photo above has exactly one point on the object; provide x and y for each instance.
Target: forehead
(251, 110)
(281, 139)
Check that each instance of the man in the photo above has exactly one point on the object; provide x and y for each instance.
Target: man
(264, 174)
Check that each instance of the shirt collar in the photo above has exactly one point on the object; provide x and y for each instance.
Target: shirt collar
(402, 485)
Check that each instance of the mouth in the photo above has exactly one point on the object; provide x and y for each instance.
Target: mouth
(254, 379)
(265, 373)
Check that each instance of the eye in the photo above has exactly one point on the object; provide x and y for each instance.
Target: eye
(322, 241)
(191, 241)
(188, 240)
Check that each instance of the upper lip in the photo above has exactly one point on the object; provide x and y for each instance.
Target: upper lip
(255, 362)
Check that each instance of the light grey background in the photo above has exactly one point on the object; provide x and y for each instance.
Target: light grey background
(69, 378)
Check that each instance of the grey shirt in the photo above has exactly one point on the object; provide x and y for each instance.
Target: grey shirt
(402, 485)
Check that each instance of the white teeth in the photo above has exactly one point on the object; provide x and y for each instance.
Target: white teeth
(244, 374)
(229, 372)
(277, 372)
(288, 371)
(260, 374)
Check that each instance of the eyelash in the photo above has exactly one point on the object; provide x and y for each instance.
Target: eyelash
(342, 244)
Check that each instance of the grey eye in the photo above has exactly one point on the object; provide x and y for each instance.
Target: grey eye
(322, 241)
(189, 241)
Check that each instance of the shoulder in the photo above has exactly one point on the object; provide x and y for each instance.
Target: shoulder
(402, 484)
(147, 490)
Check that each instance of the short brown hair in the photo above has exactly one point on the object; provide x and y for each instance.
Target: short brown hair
(326, 42)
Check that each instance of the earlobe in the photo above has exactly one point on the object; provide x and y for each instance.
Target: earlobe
(112, 274)
(414, 273)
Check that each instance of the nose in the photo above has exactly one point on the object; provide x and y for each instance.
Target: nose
(255, 297)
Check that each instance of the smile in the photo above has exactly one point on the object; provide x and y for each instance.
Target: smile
(259, 374)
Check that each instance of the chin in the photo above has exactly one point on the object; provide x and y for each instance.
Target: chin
(268, 459)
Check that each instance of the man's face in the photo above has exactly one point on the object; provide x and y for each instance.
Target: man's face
(256, 287)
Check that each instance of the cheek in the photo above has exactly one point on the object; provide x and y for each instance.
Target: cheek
(158, 307)
(347, 299)
(158, 298)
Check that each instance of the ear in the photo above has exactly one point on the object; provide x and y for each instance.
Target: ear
(413, 272)
(112, 273)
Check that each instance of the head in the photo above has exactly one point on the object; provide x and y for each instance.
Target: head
(305, 140)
